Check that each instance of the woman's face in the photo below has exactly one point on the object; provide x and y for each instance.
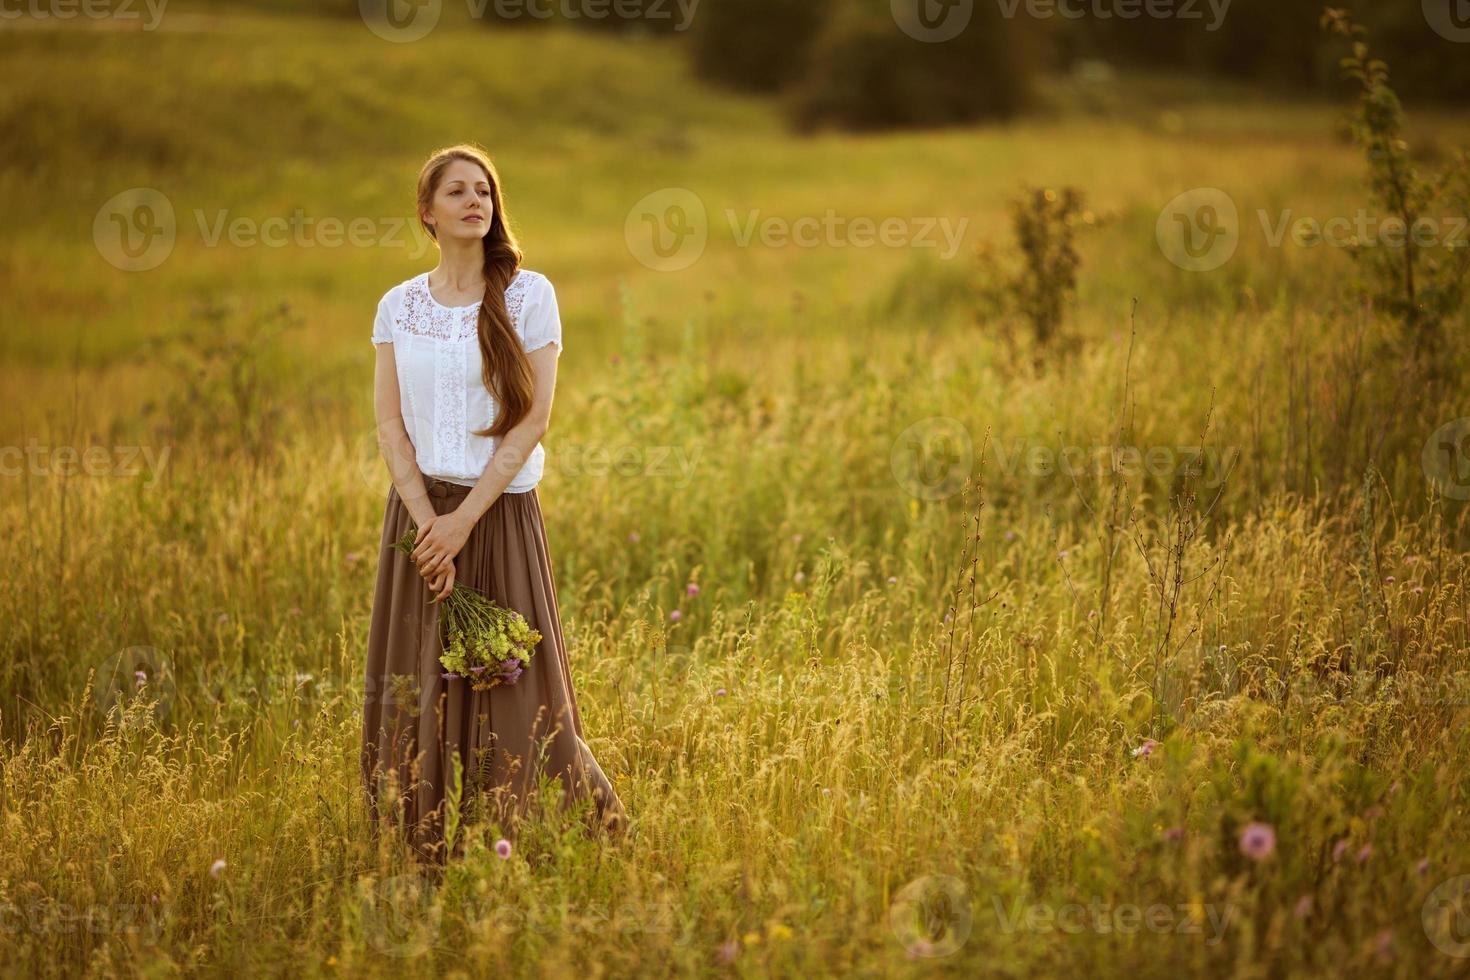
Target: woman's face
(462, 205)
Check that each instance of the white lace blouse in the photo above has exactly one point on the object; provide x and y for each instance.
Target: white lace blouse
(440, 386)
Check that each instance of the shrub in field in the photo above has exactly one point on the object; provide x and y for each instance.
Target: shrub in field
(1417, 264)
(1045, 222)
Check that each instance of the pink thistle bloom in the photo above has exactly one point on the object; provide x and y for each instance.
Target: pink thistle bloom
(893, 580)
(502, 848)
(1383, 945)
(1423, 866)
(719, 692)
(1174, 834)
(728, 950)
(1257, 840)
(1303, 907)
(1146, 749)
(1339, 849)
(675, 616)
(1364, 853)
(691, 589)
(633, 536)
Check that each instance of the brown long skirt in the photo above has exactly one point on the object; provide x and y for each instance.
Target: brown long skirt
(419, 728)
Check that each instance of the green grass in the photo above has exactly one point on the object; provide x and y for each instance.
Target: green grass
(1309, 672)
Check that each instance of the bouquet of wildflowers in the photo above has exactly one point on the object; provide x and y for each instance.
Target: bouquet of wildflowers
(483, 642)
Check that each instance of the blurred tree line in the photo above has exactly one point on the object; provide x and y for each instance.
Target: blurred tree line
(847, 63)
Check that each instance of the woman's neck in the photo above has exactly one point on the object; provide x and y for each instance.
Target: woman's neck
(461, 266)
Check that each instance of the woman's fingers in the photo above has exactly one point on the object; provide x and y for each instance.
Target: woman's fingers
(443, 584)
(423, 538)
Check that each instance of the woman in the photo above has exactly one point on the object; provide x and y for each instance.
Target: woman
(466, 366)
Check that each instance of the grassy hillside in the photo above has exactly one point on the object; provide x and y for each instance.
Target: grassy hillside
(1001, 685)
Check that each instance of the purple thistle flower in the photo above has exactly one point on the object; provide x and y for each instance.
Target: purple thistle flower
(1146, 749)
(1174, 834)
(502, 847)
(449, 675)
(478, 669)
(1303, 907)
(1423, 866)
(512, 676)
(1364, 853)
(719, 692)
(692, 589)
(510, 663)
(729, 949)
(1257, 840)
(1339, 849)
(675, 616)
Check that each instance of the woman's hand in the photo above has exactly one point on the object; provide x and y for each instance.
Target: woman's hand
(442, 584)
(438, 541)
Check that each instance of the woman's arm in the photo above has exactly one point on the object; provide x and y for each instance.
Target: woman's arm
(398, 453)
(446, 535)
(393, 441)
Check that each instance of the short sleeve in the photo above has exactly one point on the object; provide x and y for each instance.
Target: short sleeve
(541, 319)
(383, 323)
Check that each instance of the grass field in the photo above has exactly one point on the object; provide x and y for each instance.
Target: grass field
(1049, 732)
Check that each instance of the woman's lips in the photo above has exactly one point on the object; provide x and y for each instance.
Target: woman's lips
(475, 218)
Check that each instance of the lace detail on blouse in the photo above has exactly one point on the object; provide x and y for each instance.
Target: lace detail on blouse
(422, 315)
(442, 390)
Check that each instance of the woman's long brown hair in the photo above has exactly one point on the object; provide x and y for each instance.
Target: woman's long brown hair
(503, 363)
